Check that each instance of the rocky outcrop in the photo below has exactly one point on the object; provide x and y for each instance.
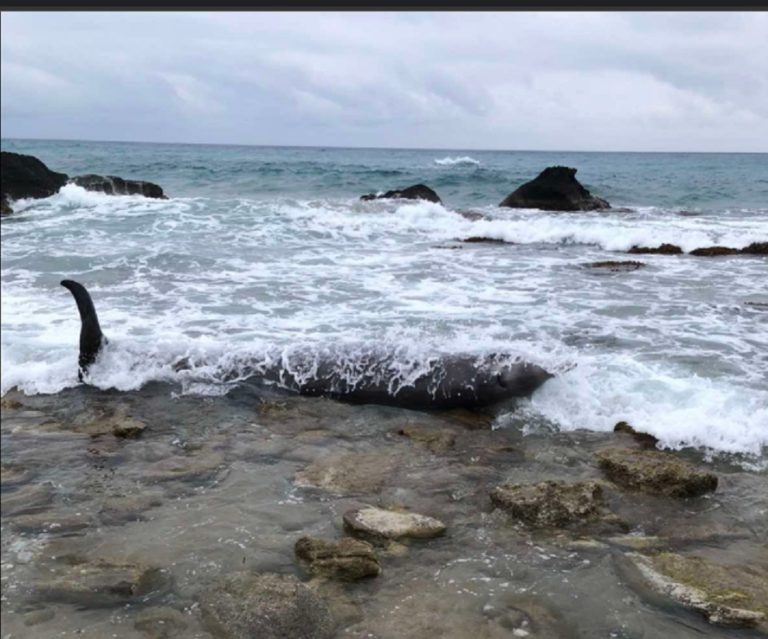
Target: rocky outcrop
(437, 440)
(664, 249)
(554, 189)
(24, 176)
(113, 185)
(714, 251)
(727, 595)
(379, 525)
(268, 606)
(655, 472)
(345, 560)
(756, 248)
(551, 504)
(415, 192)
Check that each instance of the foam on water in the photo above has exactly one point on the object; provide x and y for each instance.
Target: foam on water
(231, 284)
(461, 160)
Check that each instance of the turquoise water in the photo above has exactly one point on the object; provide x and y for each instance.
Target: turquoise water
(264, 253)
(700, 181)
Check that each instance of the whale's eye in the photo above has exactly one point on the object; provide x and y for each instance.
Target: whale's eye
(501, 381)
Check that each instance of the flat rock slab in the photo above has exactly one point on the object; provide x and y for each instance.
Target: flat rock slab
(268, 606)
(726, 595)
(379, 525)
(655, 472)
(347, 559)
(350, 472)
(554, 504)
(194, 466)
(161, 622)
(101, 583)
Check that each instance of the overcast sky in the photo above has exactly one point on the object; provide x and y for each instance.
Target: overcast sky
(631, 81)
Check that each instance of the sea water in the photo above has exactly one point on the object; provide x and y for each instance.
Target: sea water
(266, 253)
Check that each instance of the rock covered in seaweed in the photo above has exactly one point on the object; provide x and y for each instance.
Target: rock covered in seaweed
(554, 189)
(415, 192)
(113, 185)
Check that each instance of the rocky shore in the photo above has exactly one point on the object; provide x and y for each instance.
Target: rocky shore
(129, 515)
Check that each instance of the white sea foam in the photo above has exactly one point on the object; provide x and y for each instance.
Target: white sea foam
(463, 160)
(230, 284)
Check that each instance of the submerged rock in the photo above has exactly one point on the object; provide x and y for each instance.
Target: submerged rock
(714, 251)
(554, 189)
(728, 595)
(268, 606)
(378, 525)
(479, 239)
(438, 440)
(551, 504)
(51, 523)
(345, 560)
(350, 472)
(24, 176)
(113, 185)
(101, 583)
(161, 622)
(655, 472)
(644, 439)
(664, 249)
(26, 499)
(193, 466)
(617, 266)
(415, 192)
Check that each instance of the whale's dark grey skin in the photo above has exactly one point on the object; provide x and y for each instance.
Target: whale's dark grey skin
(453, 381)
(92, 340)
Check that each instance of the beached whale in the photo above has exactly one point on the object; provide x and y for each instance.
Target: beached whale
(454, 381)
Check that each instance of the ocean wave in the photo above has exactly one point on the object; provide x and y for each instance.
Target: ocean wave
(463, 160)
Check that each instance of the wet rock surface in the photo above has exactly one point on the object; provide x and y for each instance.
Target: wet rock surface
(415, 192)
(655, 472)
(551, 504)
(714, 251)
(644, 439)
(554, 189)
(663, 249)
(161, 622)
(347, 559)
(268, 606)
(350, 472)
(438, 440)
(617, 266)
(378, 524)
(24, 176)
(113, 185)
(728, 595)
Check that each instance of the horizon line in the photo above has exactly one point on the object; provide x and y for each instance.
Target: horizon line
(369, 148)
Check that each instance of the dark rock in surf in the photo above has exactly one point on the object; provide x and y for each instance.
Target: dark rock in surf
(415, 192)
(664, 249)
(756, 248)
(479, 239)
(24, 176)
(113, 185)
(554, 189)
(5, 208)
(617, 266)
(714, 251)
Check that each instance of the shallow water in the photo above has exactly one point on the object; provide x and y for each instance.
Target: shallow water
(242, 508)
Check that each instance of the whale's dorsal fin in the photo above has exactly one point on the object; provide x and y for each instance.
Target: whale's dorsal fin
(91, 337)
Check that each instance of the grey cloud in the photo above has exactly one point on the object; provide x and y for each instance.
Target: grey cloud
(586, 80)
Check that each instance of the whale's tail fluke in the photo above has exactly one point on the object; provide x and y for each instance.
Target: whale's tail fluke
(91, 337)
